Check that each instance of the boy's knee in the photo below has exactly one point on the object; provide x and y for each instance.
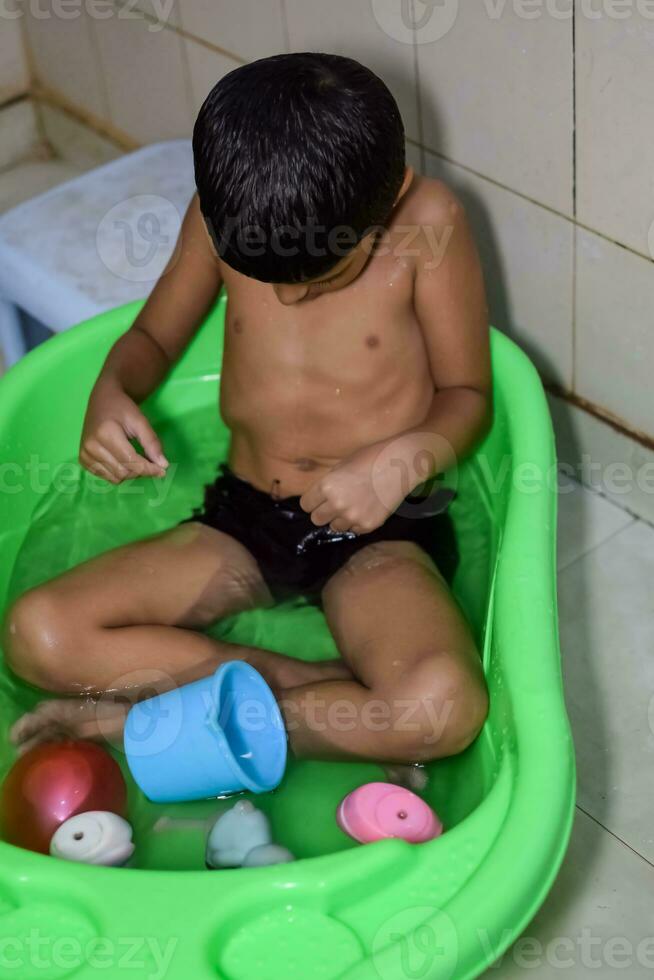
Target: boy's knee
(37, 638)
(439, 709)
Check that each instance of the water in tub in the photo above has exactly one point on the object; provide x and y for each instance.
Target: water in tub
(78, 517)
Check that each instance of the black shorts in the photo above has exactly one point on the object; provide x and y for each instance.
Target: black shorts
(295, 556)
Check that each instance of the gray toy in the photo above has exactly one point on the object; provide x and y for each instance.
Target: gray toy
(241, 837)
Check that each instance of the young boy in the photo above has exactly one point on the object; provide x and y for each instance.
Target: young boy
(356, 365)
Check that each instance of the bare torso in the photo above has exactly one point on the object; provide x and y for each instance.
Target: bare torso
(308, 384)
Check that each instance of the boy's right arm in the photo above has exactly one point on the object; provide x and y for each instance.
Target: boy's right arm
(140, 359)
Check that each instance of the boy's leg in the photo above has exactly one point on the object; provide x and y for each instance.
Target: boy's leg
(419, 691)
(129, 620)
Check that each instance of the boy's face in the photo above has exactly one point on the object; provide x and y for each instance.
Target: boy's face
(342, 274)
(346, 269)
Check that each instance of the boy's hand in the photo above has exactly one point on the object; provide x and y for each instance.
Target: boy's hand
(357, 495)
(112, 419)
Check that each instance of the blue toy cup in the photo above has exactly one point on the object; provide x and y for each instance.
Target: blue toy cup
(222, 734)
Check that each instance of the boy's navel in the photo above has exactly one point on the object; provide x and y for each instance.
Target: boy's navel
(305, 465)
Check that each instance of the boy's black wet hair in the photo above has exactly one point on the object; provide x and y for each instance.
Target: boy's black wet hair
(297, 157)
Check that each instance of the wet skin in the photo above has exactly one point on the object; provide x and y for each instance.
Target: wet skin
(338, 391)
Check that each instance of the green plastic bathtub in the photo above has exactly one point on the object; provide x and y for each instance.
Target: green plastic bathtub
(439, 910)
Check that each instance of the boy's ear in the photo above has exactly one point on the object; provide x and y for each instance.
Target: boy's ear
(409, 174)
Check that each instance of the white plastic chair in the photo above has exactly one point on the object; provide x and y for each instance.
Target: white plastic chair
(92, 243)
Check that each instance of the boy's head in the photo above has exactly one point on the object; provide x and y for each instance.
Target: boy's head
(297, 158)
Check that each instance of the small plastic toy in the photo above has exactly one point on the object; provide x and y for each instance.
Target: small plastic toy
(53, 782)
(378, 810)
(241, 837)
(219, 735)
(95, 837)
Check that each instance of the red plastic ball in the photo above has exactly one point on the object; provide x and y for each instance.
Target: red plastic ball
(53, 782)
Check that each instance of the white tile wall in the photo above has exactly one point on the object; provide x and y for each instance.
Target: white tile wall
(615, 135)
(615, 329)
(497, 96)
(254, 30)
(164, 12)
(206, 67)
(31, 178)
(414, 157)
(65, 55)
(349, 27)
(146, 78)
(527, 253)
(487, 84)
(604, 458)
(13, 65)
(75, 142)
(19, 133)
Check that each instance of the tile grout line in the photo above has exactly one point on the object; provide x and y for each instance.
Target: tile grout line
(539, 204)
(609, 500)
(599, 544)
(186, 72)
(424, 148)
(416, 75)
(615, 836)
(137, 14)
(103, 86)
(574, 197)
(285, 26)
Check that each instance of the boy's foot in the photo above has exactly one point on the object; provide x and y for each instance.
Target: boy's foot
(103, 719)
(413, 777)
(62, 718)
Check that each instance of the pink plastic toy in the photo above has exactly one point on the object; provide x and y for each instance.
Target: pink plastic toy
(378, 810)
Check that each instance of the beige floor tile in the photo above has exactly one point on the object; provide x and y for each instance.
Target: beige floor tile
(586, 519)
(597, 921)
(606, 612)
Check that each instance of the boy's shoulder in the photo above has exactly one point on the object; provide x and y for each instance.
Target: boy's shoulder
(429, 201)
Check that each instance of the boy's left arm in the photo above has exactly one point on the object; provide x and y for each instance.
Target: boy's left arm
(450, 303)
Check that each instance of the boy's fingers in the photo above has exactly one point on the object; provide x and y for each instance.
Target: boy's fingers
(97, 469)
(341, 524)
(105, 456)
(149, 440)
(323, 514)
(312, 498)
(131, 463)
(143, 467)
